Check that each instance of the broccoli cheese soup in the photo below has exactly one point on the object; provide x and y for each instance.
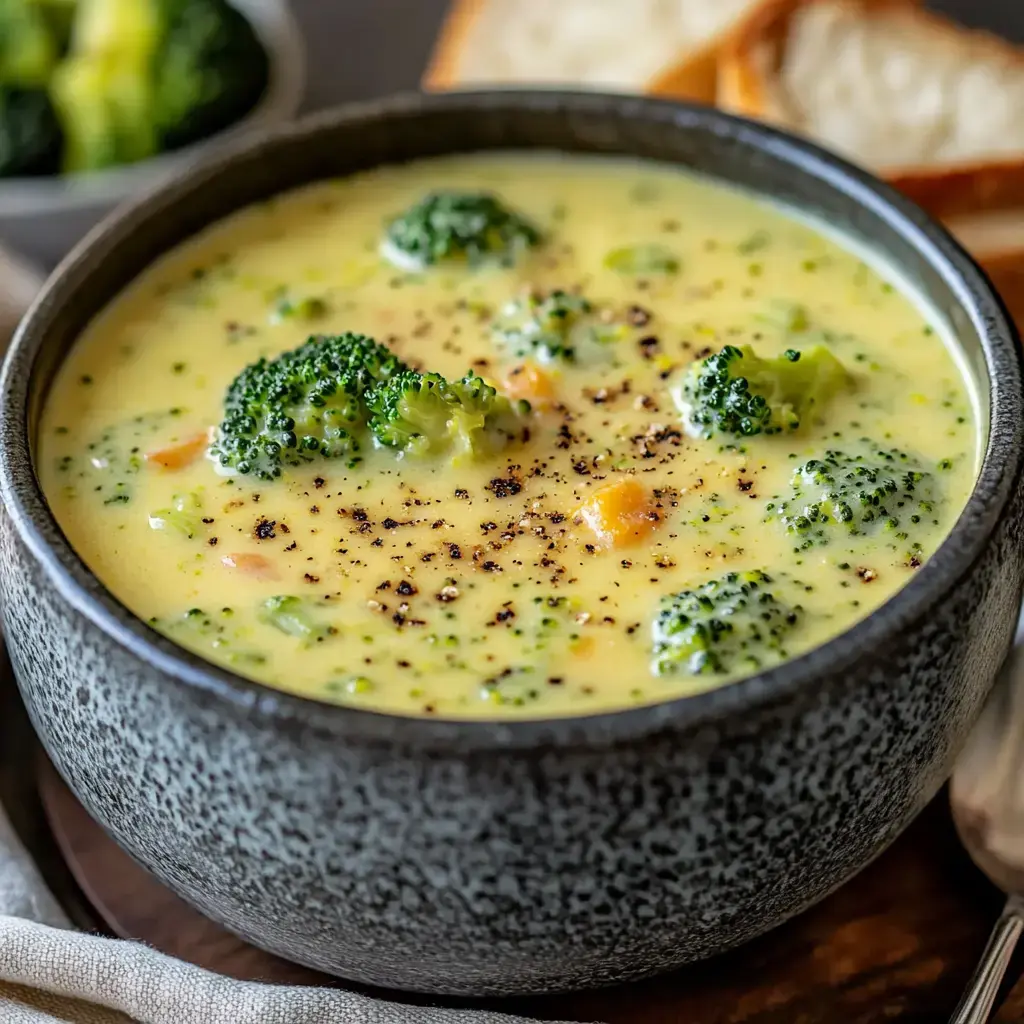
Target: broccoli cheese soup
(508, 436)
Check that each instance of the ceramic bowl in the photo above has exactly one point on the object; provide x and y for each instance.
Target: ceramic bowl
(44, 217)
(499, 857)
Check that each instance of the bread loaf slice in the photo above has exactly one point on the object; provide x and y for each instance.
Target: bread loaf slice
(933, 108)
(663, 47)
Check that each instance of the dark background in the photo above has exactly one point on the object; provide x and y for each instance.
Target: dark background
(363, 48)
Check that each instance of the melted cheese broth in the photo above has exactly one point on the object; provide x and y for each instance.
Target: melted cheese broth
(444, 590)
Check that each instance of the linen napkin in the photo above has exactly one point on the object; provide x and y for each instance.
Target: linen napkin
(52, 974)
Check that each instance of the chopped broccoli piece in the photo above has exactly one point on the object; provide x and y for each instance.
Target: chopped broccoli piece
(30, 135)
(638, 260)
(292, 615)
(287, 307)
(787, 317)
(557, 327)
(28, 49)
(457, 227)
(727, 625)
(303, 405)
(210, 70)
(198, 628)
(425, 414)
(183, 517)
(738, 393)
(858, 492)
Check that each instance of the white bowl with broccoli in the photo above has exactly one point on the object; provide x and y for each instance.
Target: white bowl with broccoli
(101, 99)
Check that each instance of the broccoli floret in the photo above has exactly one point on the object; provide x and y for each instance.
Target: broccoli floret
(103, 89)
(30, 135)
(103, 102)
(736, 392)
(28, 49)
(305, 404)
(457, 227)
(210, 70)
(732, 624)
(294, 616)
(287, 307)
(129, 28)
(558, 327)
(184, 516)
(425, 414)
(641, 260)
(858, 492)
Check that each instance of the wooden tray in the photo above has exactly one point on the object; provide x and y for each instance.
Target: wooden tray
(895, 944)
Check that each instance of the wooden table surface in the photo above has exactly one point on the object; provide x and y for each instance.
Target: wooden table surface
(895, 944)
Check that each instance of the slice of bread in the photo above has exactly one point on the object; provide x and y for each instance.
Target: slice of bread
(933, 108)
(663, 47)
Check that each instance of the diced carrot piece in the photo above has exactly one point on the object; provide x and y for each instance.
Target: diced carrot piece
(619, 514)
(529, 381)
(182, 454)
(256, 566)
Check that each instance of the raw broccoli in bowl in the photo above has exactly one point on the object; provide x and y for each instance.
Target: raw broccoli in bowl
(90, 84)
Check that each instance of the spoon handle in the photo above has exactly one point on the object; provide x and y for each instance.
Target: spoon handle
(976, 1004)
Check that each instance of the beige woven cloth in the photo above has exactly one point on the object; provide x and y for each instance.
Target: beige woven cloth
(50, 973)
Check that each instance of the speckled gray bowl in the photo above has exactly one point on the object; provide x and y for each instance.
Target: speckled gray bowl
(488, 857)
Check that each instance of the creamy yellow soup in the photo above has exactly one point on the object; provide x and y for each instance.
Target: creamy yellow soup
(528, 582)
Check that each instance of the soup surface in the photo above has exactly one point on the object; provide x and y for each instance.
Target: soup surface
(584, 560)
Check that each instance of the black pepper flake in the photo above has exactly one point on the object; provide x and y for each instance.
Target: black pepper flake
(359, 515)
(318, 482)
(207, 520)
(314, 510)
(310, 578)
(390, 524)
(637, 316)
(454, 551)
(461, 492)
(406, 588)
(212, 542)
(292, 546)
(490, 566)
(648, 346)
(504, 487)
(264, 529)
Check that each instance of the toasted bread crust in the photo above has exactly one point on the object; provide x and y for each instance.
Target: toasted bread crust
(443, 70)
(694, 77)
(947, 191)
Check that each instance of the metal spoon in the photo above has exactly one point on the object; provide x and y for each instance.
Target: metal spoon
(987, 798)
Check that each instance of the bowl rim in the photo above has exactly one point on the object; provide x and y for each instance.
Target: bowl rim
(800, 678)
(279, 33)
